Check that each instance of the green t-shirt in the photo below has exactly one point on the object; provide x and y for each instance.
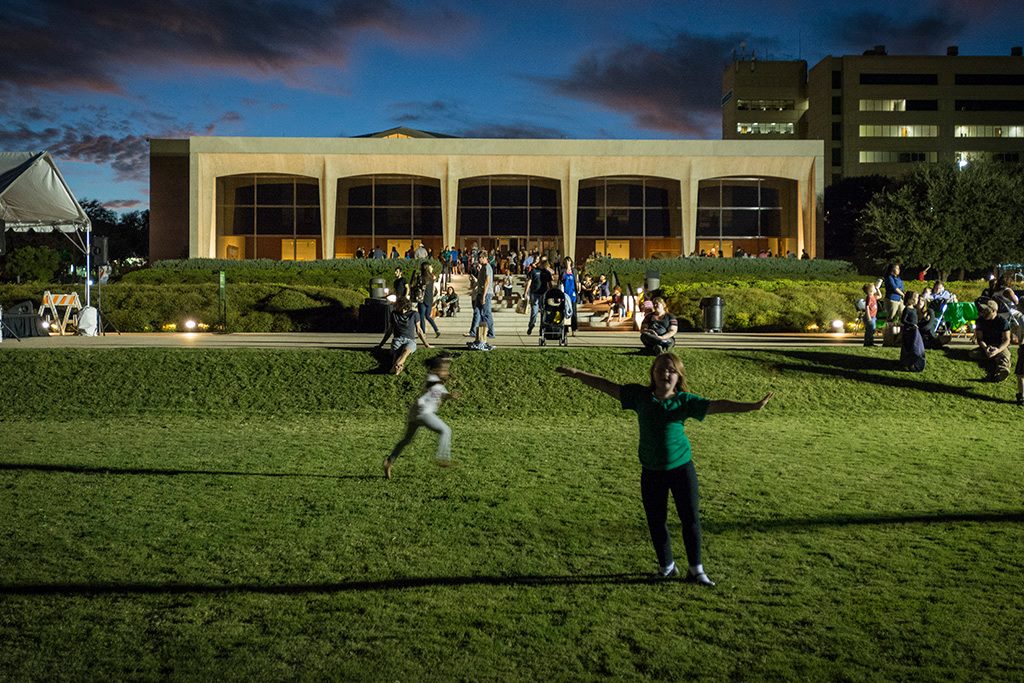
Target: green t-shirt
(663, 443)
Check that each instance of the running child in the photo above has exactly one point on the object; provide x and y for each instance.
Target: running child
(423, 413)
(665, 458)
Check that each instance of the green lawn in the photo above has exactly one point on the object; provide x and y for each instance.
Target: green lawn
(220, 515)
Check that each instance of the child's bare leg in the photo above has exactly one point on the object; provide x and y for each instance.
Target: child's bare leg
(400, 361)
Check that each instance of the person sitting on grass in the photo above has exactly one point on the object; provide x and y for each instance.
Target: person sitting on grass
(423, 413)
(1019, 371)
(404, 330)
(993, 342)
(912, 348)
(665, 453)
(659, 329)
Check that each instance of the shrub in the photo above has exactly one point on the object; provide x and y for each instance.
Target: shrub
(33, 264)
(677, 270)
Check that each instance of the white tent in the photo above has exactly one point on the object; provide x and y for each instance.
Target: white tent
(34, 196)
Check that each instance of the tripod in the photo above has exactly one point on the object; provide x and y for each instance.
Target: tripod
(101, 320)
(5, 326)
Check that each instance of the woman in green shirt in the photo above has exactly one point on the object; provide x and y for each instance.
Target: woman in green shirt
(665, 457)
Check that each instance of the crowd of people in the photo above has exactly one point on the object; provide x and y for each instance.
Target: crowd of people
(916, 320)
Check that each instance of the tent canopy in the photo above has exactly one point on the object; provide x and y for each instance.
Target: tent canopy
(34, 196)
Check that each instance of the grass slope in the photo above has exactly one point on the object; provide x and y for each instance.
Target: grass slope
(219, 514)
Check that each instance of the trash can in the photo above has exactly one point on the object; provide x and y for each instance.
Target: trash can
(377, 288)
(652, 281)
(712, 306)
(374, 314)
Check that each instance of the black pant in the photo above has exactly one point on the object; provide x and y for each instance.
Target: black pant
(654, 488)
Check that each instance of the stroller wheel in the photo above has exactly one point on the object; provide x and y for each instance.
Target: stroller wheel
(541, 341)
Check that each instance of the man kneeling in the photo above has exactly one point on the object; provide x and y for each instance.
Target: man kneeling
(993, 339)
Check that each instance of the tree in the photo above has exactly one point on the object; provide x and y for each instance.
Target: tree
(845, 201)
(127, 235)
(33, 264)
(957, 219)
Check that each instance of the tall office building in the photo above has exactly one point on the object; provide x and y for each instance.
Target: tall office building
(882, 114)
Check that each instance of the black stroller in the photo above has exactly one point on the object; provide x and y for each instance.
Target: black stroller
(552, 318)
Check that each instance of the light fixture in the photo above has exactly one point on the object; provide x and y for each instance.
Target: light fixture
(190, 325)
(837, 325)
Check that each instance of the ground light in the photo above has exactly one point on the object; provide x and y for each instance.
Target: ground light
(190, 325)
(838, 325)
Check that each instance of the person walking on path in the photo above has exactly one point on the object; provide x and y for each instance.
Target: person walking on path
(423, 413)
(570, 285)
(423, 294)
(665, 453)
(538, 282)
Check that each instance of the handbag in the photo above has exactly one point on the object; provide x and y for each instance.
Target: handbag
(521, 306)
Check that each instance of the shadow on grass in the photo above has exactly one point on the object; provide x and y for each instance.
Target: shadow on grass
(142, 588)
(854, 367)
(160, 472)
(765, 525)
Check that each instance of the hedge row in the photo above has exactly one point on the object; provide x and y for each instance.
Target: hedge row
(352, 274)
(704, 269)
(251, 307)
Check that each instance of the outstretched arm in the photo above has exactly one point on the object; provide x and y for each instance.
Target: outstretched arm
(723, 406)
(593, 381)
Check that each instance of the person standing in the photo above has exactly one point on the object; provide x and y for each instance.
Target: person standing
(894, 295)
(398, 286)
(537, 284)
(425, 298)
(570, 285)
(423, 413)
(665, 453)
(870, 313)
(483, 290)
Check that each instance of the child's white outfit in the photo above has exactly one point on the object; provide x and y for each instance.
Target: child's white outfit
(423, 413)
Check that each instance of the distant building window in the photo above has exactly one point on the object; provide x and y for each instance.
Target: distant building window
(989, 79)
(989, 131)
(899, 79)
(837, 131)
(990, 105)
(837, 105)
(883, 105)
(898, 105)
(765, 105)
(837, 80)
(1001, 157)
(837, 156)
(889, 157)
(910, 131)
(765, 128)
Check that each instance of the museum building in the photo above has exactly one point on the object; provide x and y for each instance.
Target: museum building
(322, 198)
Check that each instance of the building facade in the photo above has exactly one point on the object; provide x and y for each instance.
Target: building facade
(881, 114)
(302, 198)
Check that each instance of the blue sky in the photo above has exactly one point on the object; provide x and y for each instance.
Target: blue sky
(92, 81)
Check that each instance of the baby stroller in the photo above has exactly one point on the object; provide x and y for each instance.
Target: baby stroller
(552, 318)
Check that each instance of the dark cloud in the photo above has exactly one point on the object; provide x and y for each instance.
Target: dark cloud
(61, 44)
(925, 34)
(674, 86)
(511, 130)
(453, 119)
(122, 204)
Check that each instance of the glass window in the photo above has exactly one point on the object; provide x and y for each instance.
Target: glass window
(506, 193)
(426, 195)
(359, 221)
(474, 221)
(658, 223)
(544, 221)
(474, 195)
(391, 193)
(243, 221)
(738, 193)
(739, 222)
(275, 220)
(361, 195)
(771, 222)
(307, 220)
(708, 222)
(620, 225)
(392, 220)
(427, 220)
(275, 192)
(709, 194)
(588, 223)
(508, 221)
(543, 194)
(307, 193)
(591, 195)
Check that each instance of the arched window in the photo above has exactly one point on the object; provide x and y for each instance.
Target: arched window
(755, 215)
(388, 210)
(268, 215)
(510, 211)
(629, 217)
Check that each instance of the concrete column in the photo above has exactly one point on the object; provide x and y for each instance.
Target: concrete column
(450, 201)
(803, 239)
(570, 189)
(692, 185)
(328, 208)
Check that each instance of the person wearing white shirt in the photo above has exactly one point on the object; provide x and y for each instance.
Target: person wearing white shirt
(423, 413)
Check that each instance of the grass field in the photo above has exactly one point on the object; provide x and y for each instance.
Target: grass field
(184, 514)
